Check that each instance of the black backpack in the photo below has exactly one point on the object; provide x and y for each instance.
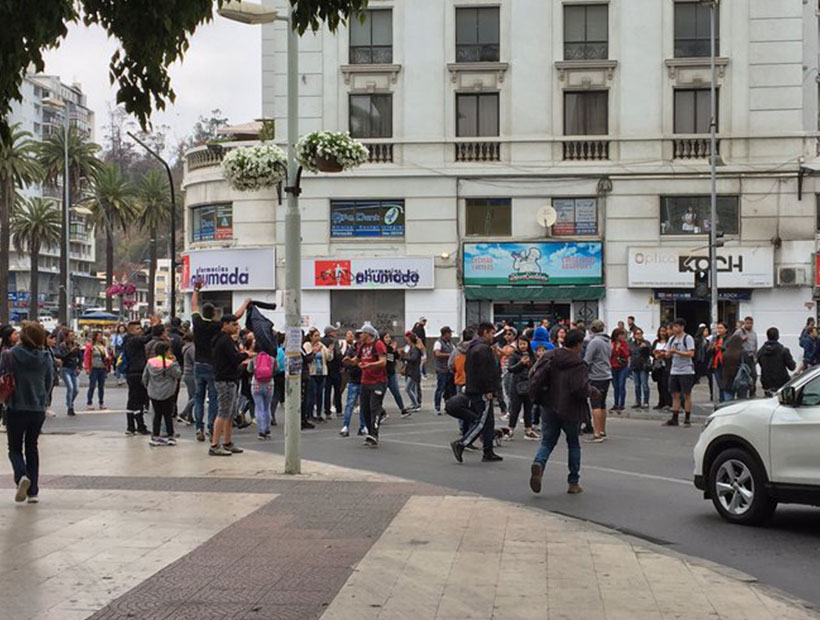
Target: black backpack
(540, 379)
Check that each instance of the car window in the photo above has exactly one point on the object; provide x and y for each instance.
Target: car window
(811, 394)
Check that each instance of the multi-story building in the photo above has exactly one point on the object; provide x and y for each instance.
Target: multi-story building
(487, 119)
(40, 120)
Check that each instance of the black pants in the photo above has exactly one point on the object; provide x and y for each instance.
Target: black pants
(477, 415)
(23, 429)
(137, 395)
(371, 405)
(517, 402)
(163, 410)
(333, 381)
(664, 397)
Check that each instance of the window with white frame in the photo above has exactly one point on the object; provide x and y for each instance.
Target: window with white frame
(692, 30)
(477, 115)
(586, 113)
(692, 111)
(371, 116)
(586, 32)
(371, 37)
(477, 34)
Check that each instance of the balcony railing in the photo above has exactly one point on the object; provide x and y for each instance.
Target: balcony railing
(586, 150)
(478, 151)
(205, 158)
(693, 148)
(380, 152)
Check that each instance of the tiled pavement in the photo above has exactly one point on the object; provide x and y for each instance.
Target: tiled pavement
(190, 538)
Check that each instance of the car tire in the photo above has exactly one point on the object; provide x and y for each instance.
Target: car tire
(737, 486)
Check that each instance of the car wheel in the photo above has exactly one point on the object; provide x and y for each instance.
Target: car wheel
(737, 485)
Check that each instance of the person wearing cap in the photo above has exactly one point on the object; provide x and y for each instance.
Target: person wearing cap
(442, 349)
(372, 357)
(597, 357)
(333, 381)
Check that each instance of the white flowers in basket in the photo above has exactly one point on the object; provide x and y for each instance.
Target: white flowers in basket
(252, 168)
(328, 151)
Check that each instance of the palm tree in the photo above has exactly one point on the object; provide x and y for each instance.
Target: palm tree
(36, 223)
(83, 164)
(155, 210)
(18, 168)
(112, 201)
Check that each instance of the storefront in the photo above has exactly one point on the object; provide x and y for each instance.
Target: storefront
(671, 272)
(228, 275)
(359, 290)
(523, 282)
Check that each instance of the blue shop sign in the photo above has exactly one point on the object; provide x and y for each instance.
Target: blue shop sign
(367, 218)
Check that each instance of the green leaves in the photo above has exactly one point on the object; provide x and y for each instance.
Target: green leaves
(152, 35)
(36, 223)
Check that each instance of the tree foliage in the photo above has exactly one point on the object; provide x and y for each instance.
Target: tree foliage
(151, 36)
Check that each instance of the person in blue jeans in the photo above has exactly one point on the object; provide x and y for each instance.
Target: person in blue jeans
(619, 360)
(69, 354)
(442, 349)
(354, 386)
(640, 355)
(565, 407)
(96, 363)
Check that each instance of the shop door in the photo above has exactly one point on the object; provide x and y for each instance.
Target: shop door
(695, 312)
(383, 309)
(521, 315)
(586, 311)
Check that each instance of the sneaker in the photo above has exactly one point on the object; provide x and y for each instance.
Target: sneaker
(261, 436)
(471, 447)
(130, 433)
(507, 434)
(406, 413)
(491, 457)
(50, 413)
(89, 407)
(328, 417)
(200, 436)
(505, 416)
(171, 441)
(383, 416)
(595, 439)
(362, 432)
(143, 431)
(536, 473)
(232, 448)
(22, 489)
(371, 441)
(307, 425)
(218, 451)
(70, 412)
(33, 499)
(267, 435)
(531, 435)
(317, 420)
(345, 432)
(636, 406)
(157, 441)
(458, 451)
(645, 406)
(102, 407)
(574, 489)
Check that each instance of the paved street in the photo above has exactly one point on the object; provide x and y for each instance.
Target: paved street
(639, 483)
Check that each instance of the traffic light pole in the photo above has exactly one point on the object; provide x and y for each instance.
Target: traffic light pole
(713, 236)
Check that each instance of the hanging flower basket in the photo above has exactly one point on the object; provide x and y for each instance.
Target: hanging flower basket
(253, 168)
(327, 151)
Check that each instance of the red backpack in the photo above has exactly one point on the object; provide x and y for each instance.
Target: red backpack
(263, 368)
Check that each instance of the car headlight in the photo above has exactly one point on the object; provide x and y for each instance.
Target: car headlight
(708, 421)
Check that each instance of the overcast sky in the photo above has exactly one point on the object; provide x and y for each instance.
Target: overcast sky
(220, 70)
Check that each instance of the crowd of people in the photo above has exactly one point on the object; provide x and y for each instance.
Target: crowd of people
(554, 377)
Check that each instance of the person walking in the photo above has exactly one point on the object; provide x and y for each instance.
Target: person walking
(640, 364)
(520, 363)
(188, 362)
(333, 381)
(619, 361)
(747, 332)
(68, 352)
(442, 349)
(475, 406)
(160, 378)
(775, 362)
(457, 359)
(227, 366)
(681, 352)
(96, 363)
(373, 364)
(412, 356)
(811, 347)
(33, 373)
(597, 356)
(262, 369)
(565, 408)
(350, 361)
(318, 373)
(206, 330)
(660, 368)
(393, 358)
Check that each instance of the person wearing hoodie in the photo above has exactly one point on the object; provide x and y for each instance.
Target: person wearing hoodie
(33, 372)
(160, 378)
(188, 361)
(597, 357)
(483, 384)
(519, 367)
(457, 359)
(809, 343)
(775, 362)
(442, 349)
(8, 338)
(372, 355)
(412, 356)
(566, 408)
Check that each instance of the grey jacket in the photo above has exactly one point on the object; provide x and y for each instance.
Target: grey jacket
(34, 375)
(599, 351)
(188, 358)
(161, 379)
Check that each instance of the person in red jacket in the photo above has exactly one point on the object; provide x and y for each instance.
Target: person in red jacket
(620, 368)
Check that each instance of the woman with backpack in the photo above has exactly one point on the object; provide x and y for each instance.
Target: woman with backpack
(262, 369)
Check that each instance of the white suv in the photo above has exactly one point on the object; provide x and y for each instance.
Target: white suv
(755, 454)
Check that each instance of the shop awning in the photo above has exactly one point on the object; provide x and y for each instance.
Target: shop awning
(534, 293)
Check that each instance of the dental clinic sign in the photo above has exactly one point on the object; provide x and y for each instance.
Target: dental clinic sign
(675, 267)
(388, 272)
(235, 269)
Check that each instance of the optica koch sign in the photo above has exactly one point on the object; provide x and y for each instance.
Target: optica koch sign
(675, 267)
(389, 272)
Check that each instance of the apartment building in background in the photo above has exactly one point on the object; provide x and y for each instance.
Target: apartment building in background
(487, 118)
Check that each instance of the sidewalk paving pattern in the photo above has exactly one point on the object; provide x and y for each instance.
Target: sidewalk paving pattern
(199, 538)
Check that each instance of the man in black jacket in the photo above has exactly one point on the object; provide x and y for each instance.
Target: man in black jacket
(134, 352)
(483, 376)
(775, 362)
(334, 373)
(227, 363)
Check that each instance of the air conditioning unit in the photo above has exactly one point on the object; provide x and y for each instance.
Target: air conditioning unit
(792, 276)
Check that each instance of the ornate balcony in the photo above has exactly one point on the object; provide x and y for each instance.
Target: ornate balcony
(586, 150)
(478, 151)
(380, 152)
(693, 148)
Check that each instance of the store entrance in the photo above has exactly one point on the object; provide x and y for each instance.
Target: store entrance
(522, 314)
(695, 312)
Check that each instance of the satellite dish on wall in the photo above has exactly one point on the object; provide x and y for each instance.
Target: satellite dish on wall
(547, 216)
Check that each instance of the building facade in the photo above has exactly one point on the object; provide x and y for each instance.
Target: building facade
(40, 120)
(543, 159)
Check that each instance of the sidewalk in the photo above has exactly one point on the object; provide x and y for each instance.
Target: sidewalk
(126, 531)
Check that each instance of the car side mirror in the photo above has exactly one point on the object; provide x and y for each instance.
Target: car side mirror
(787, 396)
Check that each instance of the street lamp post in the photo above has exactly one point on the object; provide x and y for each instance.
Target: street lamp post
(173, 222)
(249, 13)
(713, 234)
